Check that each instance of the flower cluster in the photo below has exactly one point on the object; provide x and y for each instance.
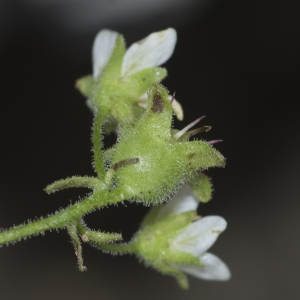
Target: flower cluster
(149, 163)
(126, 74)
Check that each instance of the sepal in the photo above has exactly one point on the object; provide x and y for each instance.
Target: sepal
(103, 47)
(138, 83)
(202, 187)
(199, 155)
(85, 85)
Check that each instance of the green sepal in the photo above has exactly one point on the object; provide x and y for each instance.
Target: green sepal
(199, 155)
(180, 277)
(154, 238)
(106, 90)
(114, 65)
(139, 83)
(202, 187)
(85, 85)
(158, 116)
(151, 216)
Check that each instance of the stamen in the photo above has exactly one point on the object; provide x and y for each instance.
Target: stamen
(198, 130)
(185, 129)
(177, 109)
(214, 142)
(173, 97)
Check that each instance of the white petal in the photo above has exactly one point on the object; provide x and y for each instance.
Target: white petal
(200, 235)
(150, 52)
(182, 202)
(143, 101)
(102, 49)
(214, 268)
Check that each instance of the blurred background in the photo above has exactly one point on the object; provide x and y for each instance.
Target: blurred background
(237, 62)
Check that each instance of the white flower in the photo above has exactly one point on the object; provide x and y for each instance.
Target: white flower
(197, 237)
(152, 51)
(174, 240)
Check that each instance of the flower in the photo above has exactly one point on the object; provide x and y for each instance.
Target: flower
(121, 78)
(150, 52)
(174, 240)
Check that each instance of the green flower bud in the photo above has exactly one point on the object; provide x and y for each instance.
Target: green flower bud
(163, 160)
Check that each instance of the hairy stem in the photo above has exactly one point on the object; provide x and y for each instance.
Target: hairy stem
(88, 235)
(73, 182)
(77, 246)
(64, 217)
(97, 144)
(116, 248)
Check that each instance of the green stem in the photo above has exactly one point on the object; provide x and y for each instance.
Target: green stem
(77, 246)
(88, 235)
(97, 145)
(64, 217)
(73, 182)
(116, 248)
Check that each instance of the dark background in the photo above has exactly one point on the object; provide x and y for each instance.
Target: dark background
(237, 62)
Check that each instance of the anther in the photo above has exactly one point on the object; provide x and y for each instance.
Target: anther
(185, 129)
(197, 130)
(172, 98)
(214, 142)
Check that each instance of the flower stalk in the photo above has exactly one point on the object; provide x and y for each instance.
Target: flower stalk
(63, 218)
(97, 145)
